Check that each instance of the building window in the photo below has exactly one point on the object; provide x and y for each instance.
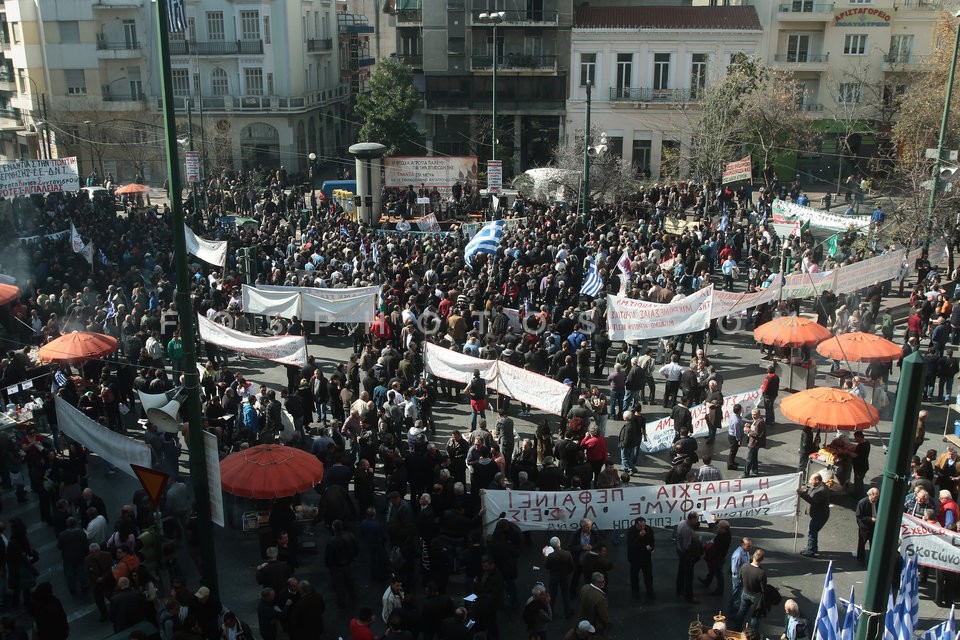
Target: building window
(641, 157)
(16, 32)
(266, 29)
(588, 69)
(181, 82)
(69, 31)
(130, 34)
(269, 84)
(215, 25)
(253, 81)
(698, 74)
(22, 80)
(191, 29)
(136, 84)
(410, 45)
(249, 25)
(661, 71)
(892, 93)
(615, 146)
(850, 93)
(624, 74)
(197, 89)
(801, 6)
(855, 44)
(75, 81)
(900, 48)
(219, 82)
(861, 1)
(533, 46)
(798, 48)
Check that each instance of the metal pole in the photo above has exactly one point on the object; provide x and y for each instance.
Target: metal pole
(585, 192)
(943, 134)
(193, 184)
(198, 462)
(46, 122)
(493, 106)
(883, 548)
(93, 160)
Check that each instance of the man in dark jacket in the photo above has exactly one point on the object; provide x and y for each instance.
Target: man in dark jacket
(306, 619)
(818, 497)
(128, 607)
(579, 544)
(73, 546)
(341, 550)
(866, 514)
(640, 544)
(795, 626)
(770, 389)
(632, 433)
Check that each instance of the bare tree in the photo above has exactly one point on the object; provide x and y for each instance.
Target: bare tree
(610, 175)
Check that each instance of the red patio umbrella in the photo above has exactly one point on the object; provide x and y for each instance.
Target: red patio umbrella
(8, 293)
(269, 471)
(829, 409)
(860, 347)
(78, 346)
(791, 331)
(132, 188)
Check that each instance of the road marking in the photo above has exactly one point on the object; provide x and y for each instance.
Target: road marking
(81, 613)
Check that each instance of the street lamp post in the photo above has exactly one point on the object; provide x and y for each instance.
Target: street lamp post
(943, 134)
(584, 198)
(312, 169)
(493, 18)
(45, 140)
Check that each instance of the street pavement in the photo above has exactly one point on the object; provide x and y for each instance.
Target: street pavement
(736, 358)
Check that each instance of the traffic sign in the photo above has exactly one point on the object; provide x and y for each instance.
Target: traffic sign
(192, 160)
(153, 482)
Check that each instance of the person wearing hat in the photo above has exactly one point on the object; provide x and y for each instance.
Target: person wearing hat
(206, 607)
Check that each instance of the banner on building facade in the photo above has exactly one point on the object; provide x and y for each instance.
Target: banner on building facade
(39, 176)
(430, 171)
(119, 450)
(660, 505)
(629, 319)
(282, 349)
(932, 545)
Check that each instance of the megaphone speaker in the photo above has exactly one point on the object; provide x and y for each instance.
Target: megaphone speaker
(166, 417)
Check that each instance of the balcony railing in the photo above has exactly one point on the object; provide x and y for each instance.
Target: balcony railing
(806, 7)
(320, 45)
(519, 18)
(108, 45)
(903, 58)
(216, 47)
(802, 58)
(409, 16)
(123, 97)
(415, 60)
(230, 104)
(514, 61)
(10, 113)
(648, 94)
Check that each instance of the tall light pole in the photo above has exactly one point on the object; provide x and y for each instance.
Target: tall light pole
(493, 18)
(943, 134)
(584, 198)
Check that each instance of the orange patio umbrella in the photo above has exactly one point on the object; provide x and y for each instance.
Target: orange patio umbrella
(860, 347)
(829, 409)
(791, 331)
(270, 471)
(78, 347)
(8, 293)
(131, 188)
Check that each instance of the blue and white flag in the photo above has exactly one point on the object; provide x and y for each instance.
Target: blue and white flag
(376, 253)
(828, 618)
(943, 631)
(176, 16)
(593, 283)
(486, 241)
(344, 231)
(890, 619)
(908, 601)
(104, 260)
(849, 629)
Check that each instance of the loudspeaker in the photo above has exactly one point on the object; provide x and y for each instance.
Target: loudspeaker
(163, 408)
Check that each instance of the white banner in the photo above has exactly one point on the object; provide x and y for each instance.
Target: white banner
(282, 349)
(629, 319)
(859, 275)
(115, 448)
(318, 309)
(726, 303)
(326, 293)
(212, 452)
(660, 505)
(210, 251)
(428, 222)
(270, 303)
(431, 171)
(931, 544)
(817, 218)
(808, 285)
(38, 176)
(660, 432)
(524, 386)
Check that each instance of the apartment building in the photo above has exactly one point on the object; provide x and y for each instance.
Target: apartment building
(454, 46)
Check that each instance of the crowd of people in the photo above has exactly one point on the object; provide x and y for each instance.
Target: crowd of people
(397, 498)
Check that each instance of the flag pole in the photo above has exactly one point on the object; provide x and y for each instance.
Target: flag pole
(191, 382)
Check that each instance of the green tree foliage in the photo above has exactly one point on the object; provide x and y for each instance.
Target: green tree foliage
(387, 109)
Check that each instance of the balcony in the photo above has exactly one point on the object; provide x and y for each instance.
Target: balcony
(117, 4)
(353, 23)
(903, 61)
(123, 97)
(7, 82)
(650, 95)
(10, 118)
(321, 45)
(514, 62)
(216, 48)
(123, 102)
(4, 44)
(803, 61)
(805, 11)
(414, 60)
(118, 50)
(518, 19)
(262, 104)
(409, 17)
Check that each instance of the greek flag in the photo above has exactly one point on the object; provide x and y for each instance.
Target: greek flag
(908, 601)
(487, 240)
(943, 631)
(849, 629)
(592, 283)
(176, 16)
(828, 618)
(344, 232)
